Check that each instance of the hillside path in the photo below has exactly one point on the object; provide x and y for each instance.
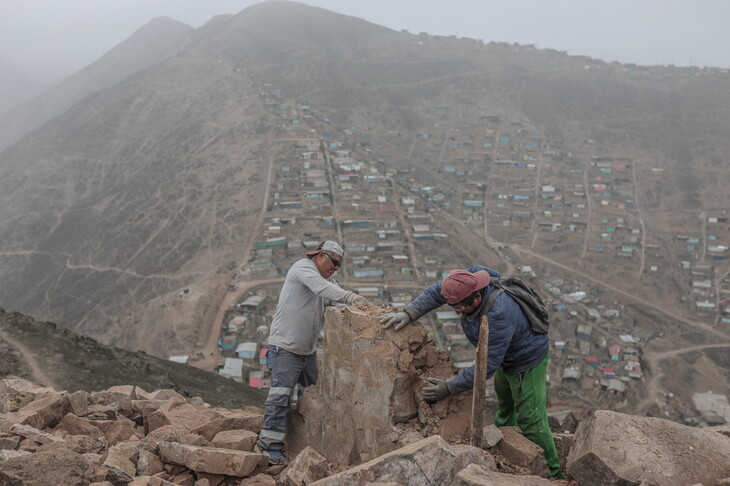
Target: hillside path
(37, 374)
(212, 355)
(212, 325)
(701, 326)
(654, 359)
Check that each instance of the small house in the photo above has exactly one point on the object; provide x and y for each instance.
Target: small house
(228, 342)
(232, 368)
(584, 331)
(571, 375)
(247, 350)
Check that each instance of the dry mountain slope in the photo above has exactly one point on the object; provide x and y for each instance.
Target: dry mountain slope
(133, 194)
(157, 40)
(107, 211)
(76, 363)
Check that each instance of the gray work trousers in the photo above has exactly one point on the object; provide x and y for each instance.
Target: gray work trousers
(287, 371)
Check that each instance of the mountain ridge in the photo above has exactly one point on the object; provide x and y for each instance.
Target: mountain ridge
(168, 37)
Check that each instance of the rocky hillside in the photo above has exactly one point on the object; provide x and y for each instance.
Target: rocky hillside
(378, 430)
(57, 358)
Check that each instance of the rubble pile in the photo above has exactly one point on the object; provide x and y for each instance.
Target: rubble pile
(127, 436)
(615, 448)
(367, 400)
(363, 424)
(122, 435)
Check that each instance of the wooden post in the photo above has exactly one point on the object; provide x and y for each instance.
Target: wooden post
(480, 385)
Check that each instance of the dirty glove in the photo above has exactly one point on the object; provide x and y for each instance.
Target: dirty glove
(392, 317)
(437, 392)
(355, 299)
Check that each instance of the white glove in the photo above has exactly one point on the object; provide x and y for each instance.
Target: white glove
(354, 299)
(392, 317)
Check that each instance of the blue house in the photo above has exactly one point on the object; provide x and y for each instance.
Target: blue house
(228, 342)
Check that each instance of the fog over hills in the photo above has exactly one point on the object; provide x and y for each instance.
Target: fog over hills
(14, 87)
(157, 40)
(148, 179)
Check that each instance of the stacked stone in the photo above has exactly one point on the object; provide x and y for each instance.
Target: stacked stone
(365, 422)
(122, 435)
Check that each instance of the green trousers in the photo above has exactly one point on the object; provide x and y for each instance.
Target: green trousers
(522, 402)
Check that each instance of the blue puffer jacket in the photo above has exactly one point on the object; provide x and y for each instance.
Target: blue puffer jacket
(511, 346)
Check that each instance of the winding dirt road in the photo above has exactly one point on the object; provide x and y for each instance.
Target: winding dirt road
(37, 374)
(653, 360)
(701, 326)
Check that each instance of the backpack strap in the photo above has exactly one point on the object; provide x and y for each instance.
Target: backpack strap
(492, 297)
(496, 292)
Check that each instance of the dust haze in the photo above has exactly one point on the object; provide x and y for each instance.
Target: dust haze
(44, 40)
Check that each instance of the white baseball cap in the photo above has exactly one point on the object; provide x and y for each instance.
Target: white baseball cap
(330, 246)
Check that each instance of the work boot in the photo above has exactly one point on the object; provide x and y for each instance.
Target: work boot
(275, 457)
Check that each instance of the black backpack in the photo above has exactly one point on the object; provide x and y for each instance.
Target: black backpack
(531, 304)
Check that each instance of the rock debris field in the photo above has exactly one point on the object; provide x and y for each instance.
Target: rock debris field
(363, 423)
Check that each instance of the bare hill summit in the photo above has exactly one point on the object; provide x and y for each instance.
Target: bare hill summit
(157, 40)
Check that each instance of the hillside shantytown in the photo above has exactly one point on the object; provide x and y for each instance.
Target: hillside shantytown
(401, 227)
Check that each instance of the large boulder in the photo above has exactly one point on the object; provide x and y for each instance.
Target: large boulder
(122, 401)
(308, 467)
(240, 440)
(612, 448)
(467, 454)
(116, 431)
(79, 403)
(173, 433)
(430, 461)
(222, 419)
(211, 460)
(16, 393)
(563, 421)
(475, 475)
(75, 425)
(34, 434)
(46, 410)
(521, 451)
(176, 411)
(367, 401)
(120, 461)
(46, 467)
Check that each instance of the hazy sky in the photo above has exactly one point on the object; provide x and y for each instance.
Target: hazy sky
(57, 37)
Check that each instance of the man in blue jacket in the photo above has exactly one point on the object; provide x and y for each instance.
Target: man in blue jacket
(517, 357)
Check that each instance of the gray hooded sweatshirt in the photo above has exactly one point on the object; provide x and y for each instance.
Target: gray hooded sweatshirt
(299, 314)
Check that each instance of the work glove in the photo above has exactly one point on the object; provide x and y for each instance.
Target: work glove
(392, 317)
(436, 392)
(354, 299)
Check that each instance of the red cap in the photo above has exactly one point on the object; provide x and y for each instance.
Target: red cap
(460, 284)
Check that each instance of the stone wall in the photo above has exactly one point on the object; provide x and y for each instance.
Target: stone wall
(367, 401)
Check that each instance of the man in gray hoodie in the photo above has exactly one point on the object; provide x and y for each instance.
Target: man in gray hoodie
(292, 355)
